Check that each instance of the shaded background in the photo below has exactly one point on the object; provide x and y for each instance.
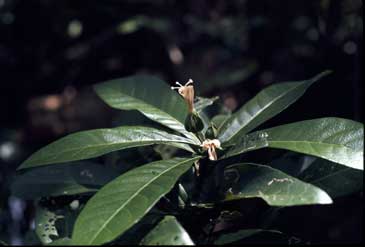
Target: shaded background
(51, 52)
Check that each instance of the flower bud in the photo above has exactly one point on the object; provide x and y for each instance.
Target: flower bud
(211, 132)
(193, 123)
(187, 91)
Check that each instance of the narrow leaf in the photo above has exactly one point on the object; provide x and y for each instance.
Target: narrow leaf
(167, 232)
(124, 201)
(275, 187)
(150, 96)
(265, 105)
(94, 143)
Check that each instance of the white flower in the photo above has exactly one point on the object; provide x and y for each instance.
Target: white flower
(211, 145)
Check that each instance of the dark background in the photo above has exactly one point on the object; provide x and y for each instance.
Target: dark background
(51, 52)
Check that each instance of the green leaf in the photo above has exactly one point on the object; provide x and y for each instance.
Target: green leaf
(248, 143)
(124, 201)
(248, 180)
(64, 179)
(167, 232)
(150, 96)
(61, 242)
(337, 180)
(219, 119)
(335, 139)
(202, 103)
(94, 143)
(45, 224)
(265, 105)
(241, 234)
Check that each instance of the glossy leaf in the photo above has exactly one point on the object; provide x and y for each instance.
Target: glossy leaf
(124, 201)
(248, 143)
(335, 139)
(228, 238)
(167, 232)
(94, 143)
(265, 105)
(65, 179)
(150, 96)
(247, 180)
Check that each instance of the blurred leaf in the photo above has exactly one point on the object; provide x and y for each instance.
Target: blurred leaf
(265, 105)
(94, 143)
(124, 201)
(137, 22)
(241, 234)
(65, 179)
(218, 120)
(45, 224)
(202, 103)
(149, 95)
(247, 180)
(167, 232)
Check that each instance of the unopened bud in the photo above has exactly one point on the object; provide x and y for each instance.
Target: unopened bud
(193, 122)
(211, 132)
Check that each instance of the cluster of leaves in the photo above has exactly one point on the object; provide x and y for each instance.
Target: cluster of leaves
(152, 194)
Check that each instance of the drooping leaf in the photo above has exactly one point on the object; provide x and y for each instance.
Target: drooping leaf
(150, 96)
(265, 105)
(248, 180)
(167, 232)
(241, 234)
(94, 143)
(202, 103)
(337, 180)
(45, 224)
(65, 179)
(124, 201)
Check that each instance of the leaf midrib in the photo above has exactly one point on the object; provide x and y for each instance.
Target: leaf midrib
(263, 109)
(155, 108)
(316, 143)
(89, 147)
(134, 195)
